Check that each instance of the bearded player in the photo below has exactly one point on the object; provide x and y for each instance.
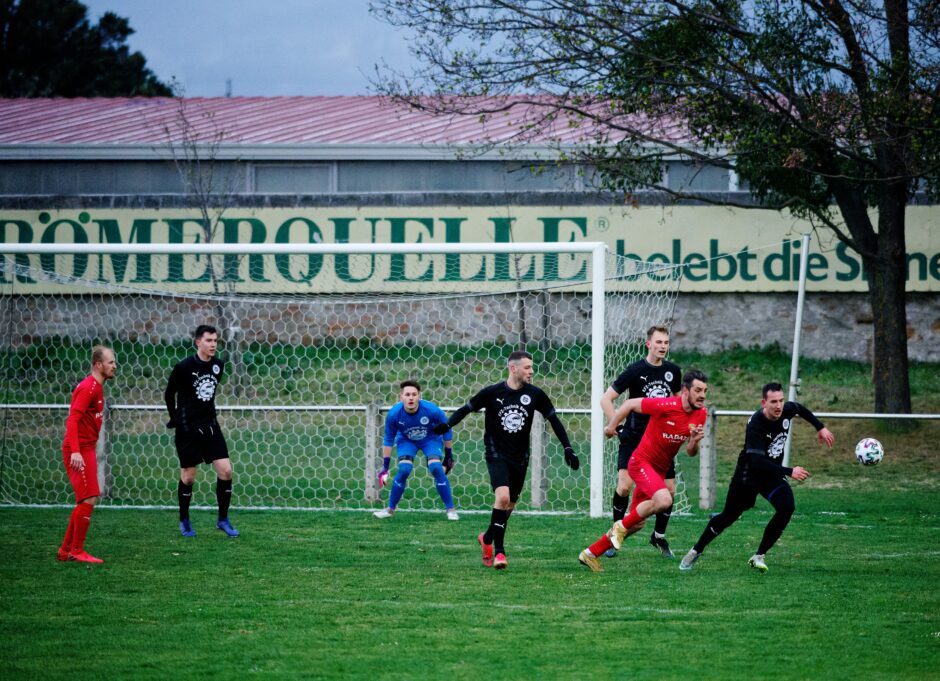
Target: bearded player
(86, 413)
(673, 421)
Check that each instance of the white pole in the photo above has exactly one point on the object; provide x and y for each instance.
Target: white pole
(797, 333)
(598, 325)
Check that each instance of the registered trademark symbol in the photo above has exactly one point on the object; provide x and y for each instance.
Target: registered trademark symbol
(602, 224)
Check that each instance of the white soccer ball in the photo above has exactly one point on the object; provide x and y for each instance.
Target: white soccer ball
(869, 451)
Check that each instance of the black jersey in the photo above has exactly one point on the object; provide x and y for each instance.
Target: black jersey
(642, 379)
(764, 441)
(190, 392)
(509, 416)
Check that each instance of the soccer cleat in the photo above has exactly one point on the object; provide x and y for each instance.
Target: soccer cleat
(487, 552)
(226, 527)
(501, 562)
(661, 544)
(384, 513)
(186, 528)
(688, 560)
(62, 554)
(452, 515)
(587, 560)
(611, 552)
(617, 534)
(757, 562)
(83, 557)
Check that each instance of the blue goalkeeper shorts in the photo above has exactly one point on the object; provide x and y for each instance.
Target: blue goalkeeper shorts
(432, 448)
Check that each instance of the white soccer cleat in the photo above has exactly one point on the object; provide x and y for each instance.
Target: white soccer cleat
(688, 560)
(452, 515)
(384, 513)
(757, 562)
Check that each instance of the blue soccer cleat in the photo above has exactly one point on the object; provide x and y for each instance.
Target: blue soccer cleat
(226, 527)
(186, 528)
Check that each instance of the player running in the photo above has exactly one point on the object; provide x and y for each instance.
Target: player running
(408, 428)
(760, 471)
(510, 407)
(190, 401)
(82, 426)
(673, 421)
(653, 376)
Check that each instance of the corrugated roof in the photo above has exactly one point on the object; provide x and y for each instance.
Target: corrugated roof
(141, 121)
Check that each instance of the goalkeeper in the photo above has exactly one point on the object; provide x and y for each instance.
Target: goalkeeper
(408, 427)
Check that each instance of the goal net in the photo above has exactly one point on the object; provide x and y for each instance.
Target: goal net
(316, 341)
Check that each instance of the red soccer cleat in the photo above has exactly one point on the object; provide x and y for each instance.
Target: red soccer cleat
(62, 554)
(501, 562)
(84, 557)
(487, 552)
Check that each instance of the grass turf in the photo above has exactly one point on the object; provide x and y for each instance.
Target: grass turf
(851, 593)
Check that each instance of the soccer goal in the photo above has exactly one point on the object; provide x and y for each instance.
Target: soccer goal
(316, 338)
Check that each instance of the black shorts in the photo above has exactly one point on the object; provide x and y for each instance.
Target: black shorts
(201, 444)
(742, 496)
(627, 447)
(507, 472)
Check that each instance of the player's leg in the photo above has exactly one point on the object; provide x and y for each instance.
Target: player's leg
(621, 500)
(216, 452)
(499, 481)
(87, 494)
(407, 451)
(187, 451)
(658, 537)
(433, 450)
(517, 473)
(739, 499)
(781, 498)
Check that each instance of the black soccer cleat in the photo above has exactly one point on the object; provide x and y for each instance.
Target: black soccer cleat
(661, 544)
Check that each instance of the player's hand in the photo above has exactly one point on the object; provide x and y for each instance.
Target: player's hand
(800, 473)
(610, 430)
(76, 462)
(440, 428)
(825, 436)
(448, 462)
(696, 433)
(383, 478)
(572, 459)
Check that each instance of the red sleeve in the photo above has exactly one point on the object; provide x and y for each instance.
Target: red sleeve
(81, 398)
(656, 405)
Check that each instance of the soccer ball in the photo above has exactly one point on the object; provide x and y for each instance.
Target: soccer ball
(869, 451)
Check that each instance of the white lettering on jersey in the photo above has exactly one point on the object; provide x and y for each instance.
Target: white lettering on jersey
(512, 418)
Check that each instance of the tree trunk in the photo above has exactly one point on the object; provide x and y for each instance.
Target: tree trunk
(887, 279)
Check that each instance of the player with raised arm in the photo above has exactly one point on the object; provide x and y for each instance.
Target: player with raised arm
(653, 376)
(190, 401)
(408, 429)
(673, 421)
(760, 471)
(82, 426)
(510, 407)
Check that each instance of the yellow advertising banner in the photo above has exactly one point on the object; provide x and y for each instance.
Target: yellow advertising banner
(718, 249)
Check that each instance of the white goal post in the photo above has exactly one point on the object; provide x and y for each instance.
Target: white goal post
(60, 298)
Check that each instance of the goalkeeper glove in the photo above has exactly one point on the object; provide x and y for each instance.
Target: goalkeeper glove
(440, 428)
(383, 474)
(448, 461)
(571, 459)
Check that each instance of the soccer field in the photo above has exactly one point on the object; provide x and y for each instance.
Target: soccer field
(851, 593)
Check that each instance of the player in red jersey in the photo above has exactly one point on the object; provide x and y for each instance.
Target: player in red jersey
(673, 421)
(78, 452)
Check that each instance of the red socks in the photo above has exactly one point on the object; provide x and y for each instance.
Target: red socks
(631, 519)
(597, 548)
(78, 527)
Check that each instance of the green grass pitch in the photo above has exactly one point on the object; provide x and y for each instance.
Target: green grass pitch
(851, 593)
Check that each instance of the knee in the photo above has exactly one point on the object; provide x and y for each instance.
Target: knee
(404, 470)
(188, 476)
(437, 470)
(502, 501)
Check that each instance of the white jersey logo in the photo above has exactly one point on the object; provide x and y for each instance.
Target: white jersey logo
(526, 400)
(205, 388)
(216, 369)
(775, 450)
(668, 375)
(424, 420)
(786, 424)
(512, 418)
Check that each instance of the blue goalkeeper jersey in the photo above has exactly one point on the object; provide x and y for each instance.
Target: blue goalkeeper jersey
(400, 426)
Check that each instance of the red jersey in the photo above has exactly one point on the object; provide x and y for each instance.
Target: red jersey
(668, 429)
(85, 416)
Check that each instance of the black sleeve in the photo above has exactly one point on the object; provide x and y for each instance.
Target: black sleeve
(559, 429)
(807, 415)
(759, 462)
(544, 405)
(675, 385)
(169, 395)
(622, 382)
(476, 403)
(755, 449)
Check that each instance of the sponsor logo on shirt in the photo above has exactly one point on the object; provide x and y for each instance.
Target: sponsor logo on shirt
(526, 400)
(512, 418)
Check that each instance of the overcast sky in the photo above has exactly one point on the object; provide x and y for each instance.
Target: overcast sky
(266, 47)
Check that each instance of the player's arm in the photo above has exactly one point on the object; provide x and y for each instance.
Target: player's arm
(81, 399)
(754, 447)
(388, 441)
(607, 402)
(627, 407)
(169, 396)
(476, 403)
(823, 434)
(544, 405)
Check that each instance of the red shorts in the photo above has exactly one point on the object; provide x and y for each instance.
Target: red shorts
(84, 482)
(648, 480)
